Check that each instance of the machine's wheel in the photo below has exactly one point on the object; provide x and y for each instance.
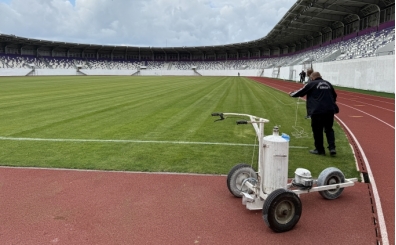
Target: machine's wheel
(236, 177)
(331, 176)
(282, 210)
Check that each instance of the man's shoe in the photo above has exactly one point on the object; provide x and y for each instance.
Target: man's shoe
(333, 152)
(316, 152)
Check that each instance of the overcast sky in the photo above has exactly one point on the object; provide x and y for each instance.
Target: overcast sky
(155, 23)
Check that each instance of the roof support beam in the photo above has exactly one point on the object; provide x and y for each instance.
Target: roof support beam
(328, 17)
(338, 8)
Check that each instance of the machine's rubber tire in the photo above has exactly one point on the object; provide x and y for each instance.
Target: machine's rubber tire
(282, 210)
(331, 176)
(237, 175)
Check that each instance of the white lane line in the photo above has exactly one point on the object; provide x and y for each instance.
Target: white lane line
(380, 213)
(389, 101)
(367, 114)
(356, 101)
(133, 141)
(107, 171)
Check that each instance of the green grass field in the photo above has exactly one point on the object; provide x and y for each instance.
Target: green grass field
(155, 124)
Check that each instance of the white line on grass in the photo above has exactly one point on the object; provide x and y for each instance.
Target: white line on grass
(107, 171)
(133, 141)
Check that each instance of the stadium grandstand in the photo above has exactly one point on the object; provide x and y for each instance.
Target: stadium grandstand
(346, 40)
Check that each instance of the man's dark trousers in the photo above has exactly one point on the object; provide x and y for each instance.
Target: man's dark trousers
(320, 122)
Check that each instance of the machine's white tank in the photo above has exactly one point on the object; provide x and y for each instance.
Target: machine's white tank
(276, 159)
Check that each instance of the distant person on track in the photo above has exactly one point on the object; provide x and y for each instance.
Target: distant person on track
(302, 76)
(321, 103)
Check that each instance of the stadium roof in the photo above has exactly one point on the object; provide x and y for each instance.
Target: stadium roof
(312, 18)
(305, 20)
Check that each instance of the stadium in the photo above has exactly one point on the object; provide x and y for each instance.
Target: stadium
(84, 125)
(325, 33)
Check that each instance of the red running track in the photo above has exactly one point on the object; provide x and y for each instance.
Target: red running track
(40, 206)
(48, 206)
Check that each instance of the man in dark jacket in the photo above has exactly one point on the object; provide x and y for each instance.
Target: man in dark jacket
(302, 76)
(321, 101)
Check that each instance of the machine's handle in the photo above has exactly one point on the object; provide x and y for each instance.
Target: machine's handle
(218, 114)
(242, 122)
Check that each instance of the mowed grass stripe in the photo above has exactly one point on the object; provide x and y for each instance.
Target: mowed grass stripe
(147, 109)
(188, 112)
(87, 104)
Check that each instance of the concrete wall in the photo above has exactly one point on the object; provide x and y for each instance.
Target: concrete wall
(14, 72)
(232, 73)
(100, 72)
(166, 73)
(374, 73)
(377, 73)
(54, 72)
(267, 72)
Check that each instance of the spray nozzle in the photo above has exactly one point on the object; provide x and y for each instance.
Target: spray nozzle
(275, 131)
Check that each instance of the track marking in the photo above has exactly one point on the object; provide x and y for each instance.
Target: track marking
(368, 115)
(380, 214)
(134, 141)
(367, 104)
(367, 97)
